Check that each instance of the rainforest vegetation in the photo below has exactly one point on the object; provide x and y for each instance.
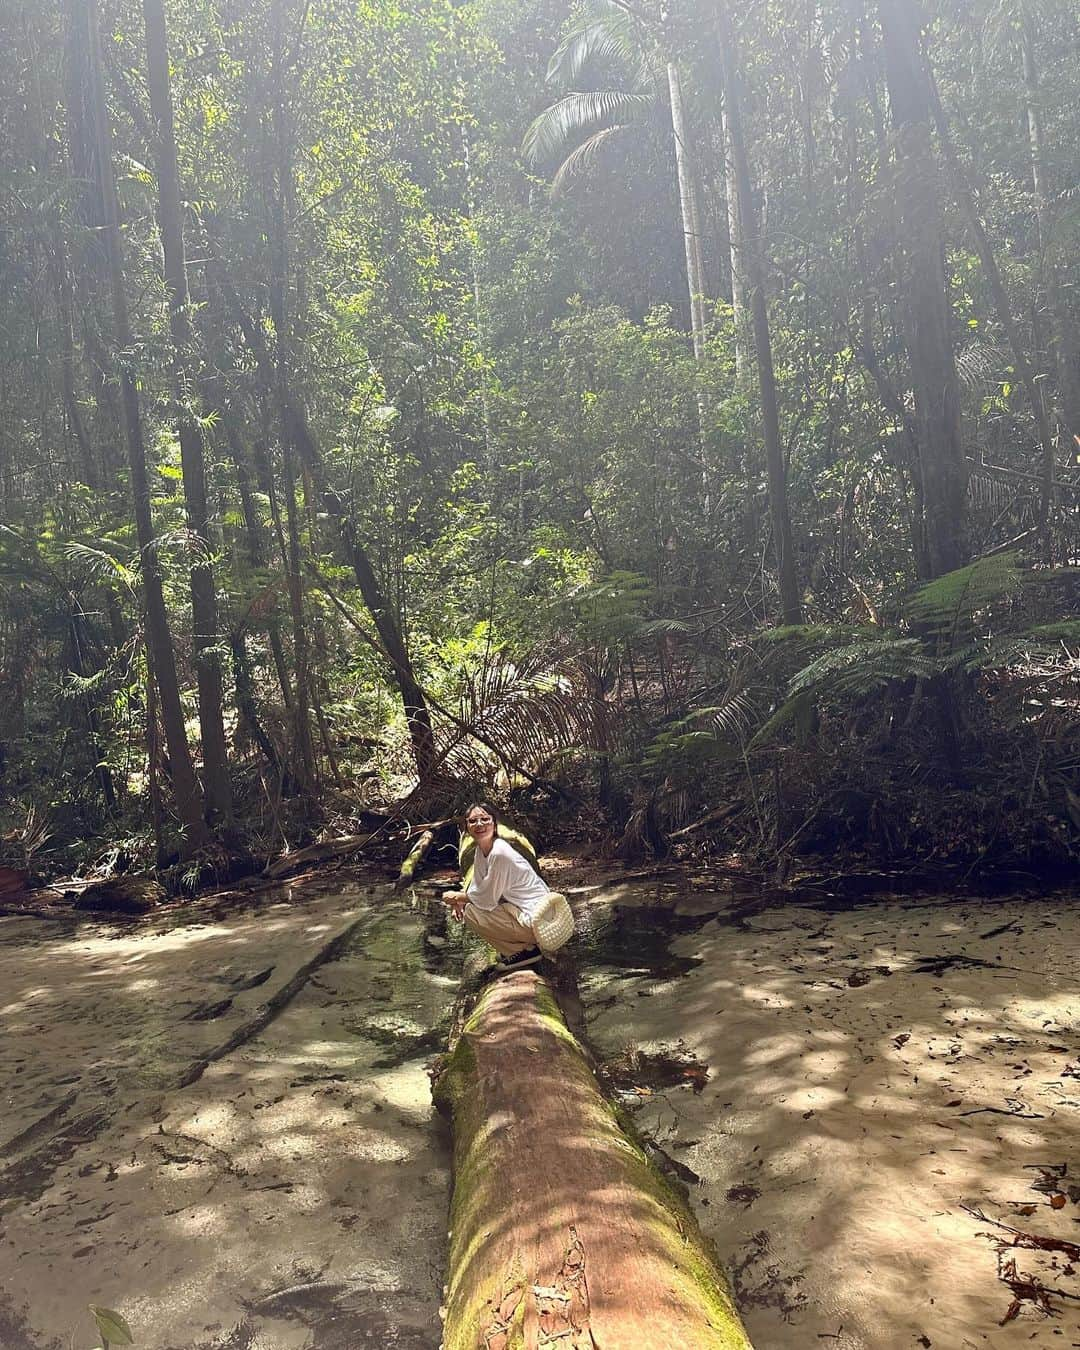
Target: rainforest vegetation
(664, 415)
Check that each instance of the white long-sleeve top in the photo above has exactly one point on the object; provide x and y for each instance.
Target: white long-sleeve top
(504, 875)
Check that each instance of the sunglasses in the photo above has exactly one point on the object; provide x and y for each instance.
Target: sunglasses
(478, 820)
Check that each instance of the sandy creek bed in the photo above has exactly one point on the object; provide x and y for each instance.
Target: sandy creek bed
(870, 1074)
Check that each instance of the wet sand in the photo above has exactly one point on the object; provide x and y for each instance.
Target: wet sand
(294, 1196)
(877, 1080)
(874, 1076)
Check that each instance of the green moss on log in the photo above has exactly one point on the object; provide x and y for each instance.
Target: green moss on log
(467, 850)
(691, 1269)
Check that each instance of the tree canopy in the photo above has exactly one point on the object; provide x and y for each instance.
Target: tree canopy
(674, 409)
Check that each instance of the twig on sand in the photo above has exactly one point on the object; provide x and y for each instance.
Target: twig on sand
(1031, 1241)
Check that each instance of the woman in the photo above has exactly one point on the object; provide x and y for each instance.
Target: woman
(504, 896)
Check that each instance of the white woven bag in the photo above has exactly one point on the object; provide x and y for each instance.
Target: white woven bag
(554, 925)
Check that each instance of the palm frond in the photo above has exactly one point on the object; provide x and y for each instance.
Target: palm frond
(553, 129)
(518, 714)
(980, 366)
(580, 160)
(610, 34)
(988, 490)
(97, 563)
(788, 712)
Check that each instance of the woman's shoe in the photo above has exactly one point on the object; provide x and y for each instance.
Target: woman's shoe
(531, 956)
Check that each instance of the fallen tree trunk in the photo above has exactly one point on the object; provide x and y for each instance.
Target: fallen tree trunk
(415, 859)
(562, 1233)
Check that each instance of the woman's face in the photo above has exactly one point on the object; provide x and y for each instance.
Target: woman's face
(480, 825)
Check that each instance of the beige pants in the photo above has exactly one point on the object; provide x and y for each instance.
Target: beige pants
(502, 927)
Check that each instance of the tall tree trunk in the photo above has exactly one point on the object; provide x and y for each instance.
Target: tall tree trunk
(216, 784)
(280, 319)
(695, 272)
(89, 255)
(1024, 369)
(735, 252)
(783, 543)
(688, 207)
(159, 638)
(929, 338)
(1066, 352)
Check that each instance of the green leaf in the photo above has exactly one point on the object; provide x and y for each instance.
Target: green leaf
(111, 1326)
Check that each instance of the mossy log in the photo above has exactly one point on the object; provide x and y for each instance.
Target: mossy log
(122, 895)
(562, 1232)
(415, 859)
(516, 840)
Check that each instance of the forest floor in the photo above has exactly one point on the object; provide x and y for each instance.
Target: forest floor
(869, 1104)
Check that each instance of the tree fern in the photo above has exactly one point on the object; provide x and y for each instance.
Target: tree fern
(949, 603)
(863, 666)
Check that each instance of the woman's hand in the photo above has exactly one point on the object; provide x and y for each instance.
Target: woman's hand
(457, 900)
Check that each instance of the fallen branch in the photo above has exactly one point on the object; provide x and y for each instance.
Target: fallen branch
(1030, 1241)
(415, 860)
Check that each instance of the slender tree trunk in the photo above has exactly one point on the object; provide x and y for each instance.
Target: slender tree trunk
(1066, 352)
(750, 234)
(280, 319)
(296, 430)
(192, 453)
(159, 638)
(153, 763)
(688, 206)
(735, 252)
(929, 338)
(1024, 369)
(695, 272)
(413, 701)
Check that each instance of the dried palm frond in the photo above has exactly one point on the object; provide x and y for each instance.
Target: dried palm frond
(518, 714)
(988, 491)
(981, 366)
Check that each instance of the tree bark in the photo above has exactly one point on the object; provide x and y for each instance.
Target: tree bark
(562, 1233)
(750, 234)
(695, 272)
(1066, 353)
(1024, 369)
(216, 786)
(929, 339)
(688, 207)
(280, 318)
(159, 638)
(735, 253)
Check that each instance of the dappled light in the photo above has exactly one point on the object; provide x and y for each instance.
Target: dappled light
(291, 1164)
(860, 1105)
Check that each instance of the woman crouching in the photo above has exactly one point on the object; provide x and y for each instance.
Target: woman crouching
(507, 902)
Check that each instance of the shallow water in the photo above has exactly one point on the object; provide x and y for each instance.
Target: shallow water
(839, 1089)
(295, 1195)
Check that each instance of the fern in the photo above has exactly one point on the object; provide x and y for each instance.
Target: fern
(864, 666)
(949, 603)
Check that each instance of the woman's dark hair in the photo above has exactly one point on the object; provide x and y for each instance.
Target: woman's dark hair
(487, 809)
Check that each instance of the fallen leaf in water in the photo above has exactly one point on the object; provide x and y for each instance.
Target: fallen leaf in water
(1057, 1201)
